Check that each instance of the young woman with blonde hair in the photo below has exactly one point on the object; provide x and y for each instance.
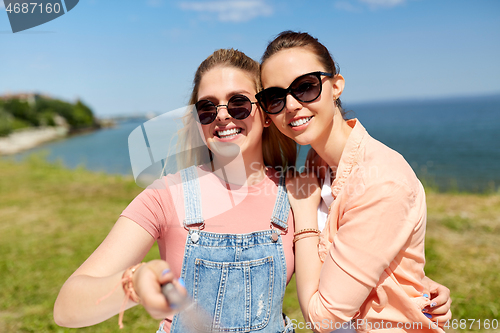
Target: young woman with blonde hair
(234, 256)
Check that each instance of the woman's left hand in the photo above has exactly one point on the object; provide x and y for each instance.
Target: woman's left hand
(441, 302)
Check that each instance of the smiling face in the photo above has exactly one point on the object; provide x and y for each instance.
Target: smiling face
(218, 85)
(306, 123)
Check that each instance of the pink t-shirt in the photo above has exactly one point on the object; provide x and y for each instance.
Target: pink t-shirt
(159, 209)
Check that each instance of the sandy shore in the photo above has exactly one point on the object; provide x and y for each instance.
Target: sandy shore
(29, 138)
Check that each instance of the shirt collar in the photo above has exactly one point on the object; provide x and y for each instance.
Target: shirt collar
(352, 147)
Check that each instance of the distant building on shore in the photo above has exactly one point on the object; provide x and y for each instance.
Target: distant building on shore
(31, 98)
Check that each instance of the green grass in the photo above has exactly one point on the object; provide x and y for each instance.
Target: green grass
(53, 218)
(463, 235)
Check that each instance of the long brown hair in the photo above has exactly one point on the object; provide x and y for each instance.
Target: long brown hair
(278, 150)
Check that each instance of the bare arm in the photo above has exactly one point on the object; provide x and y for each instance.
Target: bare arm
(304, 195)
(307, 272)
(126, 245)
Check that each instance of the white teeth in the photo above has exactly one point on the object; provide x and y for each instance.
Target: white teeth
(228, 133)
(301, 121)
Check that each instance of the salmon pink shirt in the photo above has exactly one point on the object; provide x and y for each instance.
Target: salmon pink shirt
(373, 243)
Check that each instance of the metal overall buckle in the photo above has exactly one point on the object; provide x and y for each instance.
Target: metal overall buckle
(194, 234)
(275, 233)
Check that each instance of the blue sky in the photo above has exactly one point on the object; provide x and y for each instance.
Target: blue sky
(123, 57)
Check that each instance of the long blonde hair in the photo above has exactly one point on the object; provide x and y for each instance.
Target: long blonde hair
(278, 150)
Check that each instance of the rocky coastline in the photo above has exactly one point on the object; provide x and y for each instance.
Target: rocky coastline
(28, 138)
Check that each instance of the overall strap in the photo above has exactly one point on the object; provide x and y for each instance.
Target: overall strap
(281, 206)
(192, 197)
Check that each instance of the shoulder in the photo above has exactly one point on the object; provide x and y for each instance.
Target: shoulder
(381, 174)
(164, 189)
(380, 164)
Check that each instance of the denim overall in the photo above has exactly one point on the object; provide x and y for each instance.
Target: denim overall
(238, 280)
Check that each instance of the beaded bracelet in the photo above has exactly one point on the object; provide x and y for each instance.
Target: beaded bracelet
(305, 233)
(307, 230)
(127, 283)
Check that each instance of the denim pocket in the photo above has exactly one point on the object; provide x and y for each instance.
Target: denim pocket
(238, 295)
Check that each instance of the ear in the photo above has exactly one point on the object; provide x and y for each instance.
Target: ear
(338, 84)
(267, 121)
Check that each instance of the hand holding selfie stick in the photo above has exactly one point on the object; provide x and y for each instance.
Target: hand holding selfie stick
(192, 316)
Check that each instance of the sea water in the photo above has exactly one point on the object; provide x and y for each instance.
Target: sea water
(451, 144)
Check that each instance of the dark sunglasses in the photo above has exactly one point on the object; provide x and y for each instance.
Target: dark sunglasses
(238, 107)
(306, 88)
